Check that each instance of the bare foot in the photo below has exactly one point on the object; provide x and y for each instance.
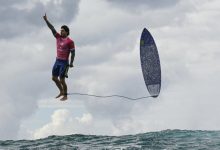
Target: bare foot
(64, 98)
(61, 94)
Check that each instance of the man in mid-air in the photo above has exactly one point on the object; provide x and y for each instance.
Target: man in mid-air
(65, 46)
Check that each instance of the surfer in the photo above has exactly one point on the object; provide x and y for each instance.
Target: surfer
(65, 46)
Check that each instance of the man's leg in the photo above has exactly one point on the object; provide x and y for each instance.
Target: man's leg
(59, 85)
(63, 83)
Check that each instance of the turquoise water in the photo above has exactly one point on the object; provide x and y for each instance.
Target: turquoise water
(166, 140)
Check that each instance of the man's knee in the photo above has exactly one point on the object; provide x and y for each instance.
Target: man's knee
(55, 79)
(62, 81)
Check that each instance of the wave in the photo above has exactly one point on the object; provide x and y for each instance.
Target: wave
(167, 139)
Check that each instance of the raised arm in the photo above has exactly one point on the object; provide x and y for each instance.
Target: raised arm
(50, 25)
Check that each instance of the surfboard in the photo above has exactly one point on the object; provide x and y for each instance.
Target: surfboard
(150, 63)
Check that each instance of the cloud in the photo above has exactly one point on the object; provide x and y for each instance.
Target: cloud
(62, 123)
(86, 118)
(26, 58)
(130, 4)
(106, 34)
(12, 111)
(188, 45)
(20, 18)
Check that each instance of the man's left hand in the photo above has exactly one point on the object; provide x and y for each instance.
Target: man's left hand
(71, 65)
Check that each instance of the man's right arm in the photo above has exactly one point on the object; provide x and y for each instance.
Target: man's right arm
(50, 25)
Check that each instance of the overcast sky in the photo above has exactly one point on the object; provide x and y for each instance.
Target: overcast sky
(106, 34)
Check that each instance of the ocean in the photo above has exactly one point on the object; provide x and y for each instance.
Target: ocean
(161, 140)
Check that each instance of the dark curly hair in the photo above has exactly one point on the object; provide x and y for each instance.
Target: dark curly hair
(66, 28)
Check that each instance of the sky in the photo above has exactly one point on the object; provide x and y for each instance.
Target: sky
(106, 34)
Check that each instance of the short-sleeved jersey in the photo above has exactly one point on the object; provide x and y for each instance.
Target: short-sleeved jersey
(64, 46)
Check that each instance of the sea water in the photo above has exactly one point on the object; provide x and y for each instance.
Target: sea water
(161, 140)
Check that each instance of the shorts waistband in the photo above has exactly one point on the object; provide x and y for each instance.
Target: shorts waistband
(61, 60)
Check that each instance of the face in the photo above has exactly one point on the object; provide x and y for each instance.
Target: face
(63, 33)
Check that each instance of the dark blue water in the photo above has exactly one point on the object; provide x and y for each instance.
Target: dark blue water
(166, 140)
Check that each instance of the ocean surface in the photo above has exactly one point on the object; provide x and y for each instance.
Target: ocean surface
(162, 140)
